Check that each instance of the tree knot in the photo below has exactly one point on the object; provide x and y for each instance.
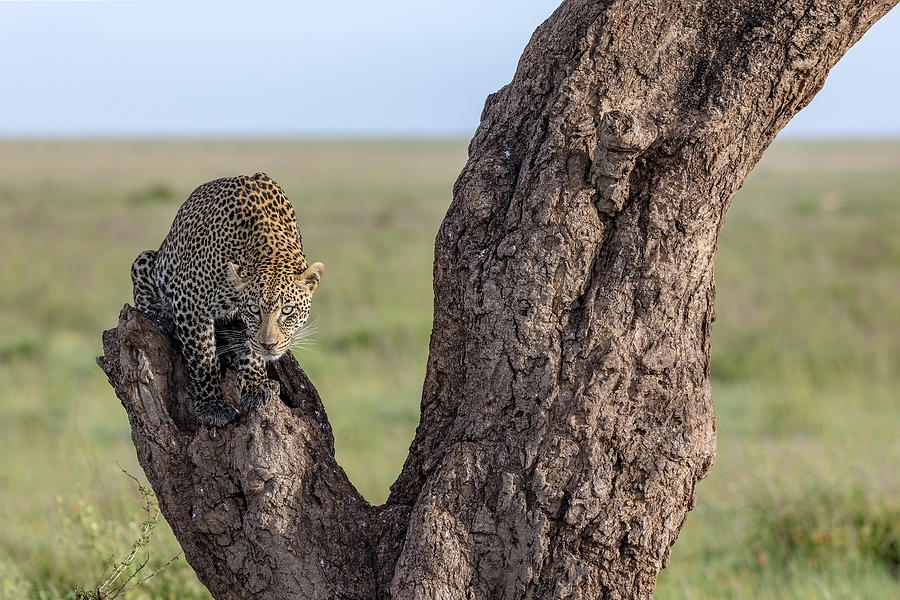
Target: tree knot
(620, 140)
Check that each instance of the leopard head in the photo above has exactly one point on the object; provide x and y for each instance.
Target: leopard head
(275, 306)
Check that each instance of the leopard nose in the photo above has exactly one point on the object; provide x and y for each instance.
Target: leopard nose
(269, 347)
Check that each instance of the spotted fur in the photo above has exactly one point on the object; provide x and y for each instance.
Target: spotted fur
(234, 252)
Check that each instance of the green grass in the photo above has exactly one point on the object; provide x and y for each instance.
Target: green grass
(804, 501)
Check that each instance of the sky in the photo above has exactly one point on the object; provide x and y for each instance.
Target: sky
(399, 68)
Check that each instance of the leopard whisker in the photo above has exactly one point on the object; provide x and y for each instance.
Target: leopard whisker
(304, 338)
(302, 344)
(305, 332)
(310, 325)
(230, 348)
(232, 343)
(232, 335)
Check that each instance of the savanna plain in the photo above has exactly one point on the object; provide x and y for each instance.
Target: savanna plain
(804, 501)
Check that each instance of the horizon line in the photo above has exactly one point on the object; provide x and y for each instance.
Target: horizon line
(362, 136)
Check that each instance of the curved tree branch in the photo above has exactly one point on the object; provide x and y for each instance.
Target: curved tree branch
(261, 508)
(566, 414)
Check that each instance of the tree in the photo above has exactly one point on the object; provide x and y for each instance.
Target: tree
(566, 415)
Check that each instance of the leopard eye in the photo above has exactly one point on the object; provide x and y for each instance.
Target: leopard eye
(286, 310)
(254, 310)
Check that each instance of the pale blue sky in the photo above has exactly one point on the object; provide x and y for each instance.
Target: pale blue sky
(398, 68)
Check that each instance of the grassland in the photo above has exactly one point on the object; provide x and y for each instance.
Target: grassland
(804, 501)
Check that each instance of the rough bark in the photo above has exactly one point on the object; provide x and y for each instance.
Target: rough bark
(566, 413)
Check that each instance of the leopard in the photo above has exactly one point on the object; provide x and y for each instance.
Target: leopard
(234, 254)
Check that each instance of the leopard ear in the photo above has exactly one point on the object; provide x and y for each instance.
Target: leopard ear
(235, 277)
(311, 276)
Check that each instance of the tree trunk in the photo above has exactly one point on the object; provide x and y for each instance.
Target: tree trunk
(566, 414)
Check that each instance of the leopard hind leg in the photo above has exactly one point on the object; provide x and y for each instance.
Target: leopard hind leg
(146, 294)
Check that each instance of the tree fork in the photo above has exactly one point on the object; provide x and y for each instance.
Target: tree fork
(566, 415)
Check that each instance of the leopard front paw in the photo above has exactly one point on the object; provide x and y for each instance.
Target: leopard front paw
(215, 414)
(253, 398)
